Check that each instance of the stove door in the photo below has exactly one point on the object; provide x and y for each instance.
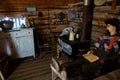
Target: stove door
(65, 47)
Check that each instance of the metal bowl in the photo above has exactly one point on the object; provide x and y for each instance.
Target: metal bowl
(6, 25)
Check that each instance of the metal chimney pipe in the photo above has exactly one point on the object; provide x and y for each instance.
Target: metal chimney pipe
(87, 20)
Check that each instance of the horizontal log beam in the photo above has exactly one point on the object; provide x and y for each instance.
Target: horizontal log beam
(99, 15)
(107, 9)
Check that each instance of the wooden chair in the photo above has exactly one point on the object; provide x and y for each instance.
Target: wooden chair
(56, 71)
(1, 76)
(59, 72)
(44, 42)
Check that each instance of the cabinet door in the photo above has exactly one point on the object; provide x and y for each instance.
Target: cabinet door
(25, 46)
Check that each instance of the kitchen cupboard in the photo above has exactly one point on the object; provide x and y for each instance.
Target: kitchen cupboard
(17, 44)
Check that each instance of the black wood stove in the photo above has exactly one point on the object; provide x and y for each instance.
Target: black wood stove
(71, 48)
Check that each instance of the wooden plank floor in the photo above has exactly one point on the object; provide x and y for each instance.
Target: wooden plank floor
(114, 75)
(29, 69)
(39, 69)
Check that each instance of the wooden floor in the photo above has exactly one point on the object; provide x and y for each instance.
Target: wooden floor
(39, 69)
(29, 69)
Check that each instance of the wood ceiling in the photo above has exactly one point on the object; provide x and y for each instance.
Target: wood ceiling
(21, 5)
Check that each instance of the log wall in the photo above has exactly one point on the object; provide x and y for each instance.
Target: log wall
(51, 9)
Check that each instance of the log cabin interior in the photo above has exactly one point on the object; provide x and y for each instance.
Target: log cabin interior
(28, 44)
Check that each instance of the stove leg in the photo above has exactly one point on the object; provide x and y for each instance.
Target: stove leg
(59, 55)
(59, 52)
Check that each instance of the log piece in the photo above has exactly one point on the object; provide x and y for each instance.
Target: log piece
(98, 23)
(75, 4)
(107, 9)
(98, 15)
(99, 29)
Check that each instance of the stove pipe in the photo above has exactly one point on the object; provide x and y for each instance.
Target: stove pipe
(87, 20)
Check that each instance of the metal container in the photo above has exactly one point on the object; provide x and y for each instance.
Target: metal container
(6, 25)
